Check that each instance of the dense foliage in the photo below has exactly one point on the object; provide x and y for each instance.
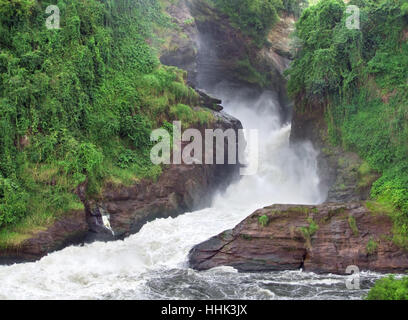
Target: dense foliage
(256, 17)
(389, 288)
(358, 78)
(78, 103)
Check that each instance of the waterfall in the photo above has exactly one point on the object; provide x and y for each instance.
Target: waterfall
(152, 264)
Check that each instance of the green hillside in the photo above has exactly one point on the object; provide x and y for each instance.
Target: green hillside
(78, 103)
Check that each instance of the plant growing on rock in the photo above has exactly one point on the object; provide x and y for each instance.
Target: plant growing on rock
(353, 225)
(84, 98)
(357, 80)
(308, 232)
(263, 220)
(253, 17)
(372, 247)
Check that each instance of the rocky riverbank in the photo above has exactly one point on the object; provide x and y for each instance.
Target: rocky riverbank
(323, 239)
(180, 188)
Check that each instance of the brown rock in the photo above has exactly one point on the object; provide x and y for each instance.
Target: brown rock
(71, 228)
(180, 188)
(289, 241)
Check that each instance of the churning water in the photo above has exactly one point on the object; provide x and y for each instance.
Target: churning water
(152, 264)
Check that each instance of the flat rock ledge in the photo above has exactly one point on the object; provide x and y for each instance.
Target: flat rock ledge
(324, 239)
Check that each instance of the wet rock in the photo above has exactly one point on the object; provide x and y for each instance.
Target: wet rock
(209, 102)
(324, 239)
(338, 170)
(212, 51)
(98, 219)
(227, 54)
(69, 229)
(181, 49)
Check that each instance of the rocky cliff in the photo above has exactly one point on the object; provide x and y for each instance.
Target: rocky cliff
(122, 210)
(180, 188)
(340, 171)
(324, 239)
(213, 51)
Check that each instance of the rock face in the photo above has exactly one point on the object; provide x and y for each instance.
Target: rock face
(324, 239)
(71, 228)
(182, 48)
(179, 189)
(209, 102)
(226, 54)
(212, 51)
(338, 170)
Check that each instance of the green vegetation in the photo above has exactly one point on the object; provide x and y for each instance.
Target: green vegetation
(255, 18)
(366, 176)
(353, 225)
(304, 209)
(308, 232)
(357, 80)
(263, 220)
(189, 21)
(295, 7)
(246, 72)
(313, 227)
(246, 237)
(77, 104)
(188, 116)
(372, 247)
(389, 288)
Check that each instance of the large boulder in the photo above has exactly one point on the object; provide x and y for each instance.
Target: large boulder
(324, 239)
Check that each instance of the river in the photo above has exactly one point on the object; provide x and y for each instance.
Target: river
(152, 264)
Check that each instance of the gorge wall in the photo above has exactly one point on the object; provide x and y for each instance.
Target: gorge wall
(207, 42)
(345, 230)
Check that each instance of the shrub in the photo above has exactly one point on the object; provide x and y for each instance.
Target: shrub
(371, 247)
(353, 225)
(253, 17)
(357, 80)
(263, 220)
(182, 113)
(13, 202)
(389, 288)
